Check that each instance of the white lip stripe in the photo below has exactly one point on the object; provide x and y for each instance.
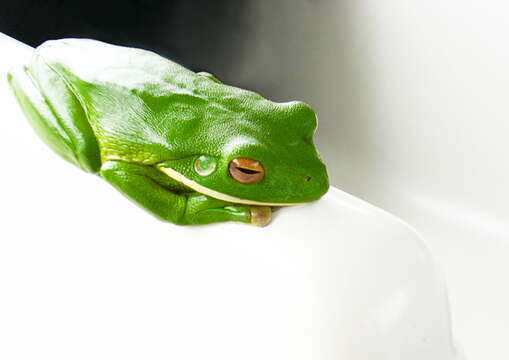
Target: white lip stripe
(215, 194)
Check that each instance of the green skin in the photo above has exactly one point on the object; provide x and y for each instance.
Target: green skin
(132, 117)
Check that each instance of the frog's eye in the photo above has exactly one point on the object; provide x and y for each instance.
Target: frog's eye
(205, 165)
(246, 171)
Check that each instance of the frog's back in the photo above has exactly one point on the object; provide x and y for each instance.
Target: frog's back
(145, 108)
(97, 62)
(120, 89)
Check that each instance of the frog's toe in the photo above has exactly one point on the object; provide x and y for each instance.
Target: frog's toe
(260, 215)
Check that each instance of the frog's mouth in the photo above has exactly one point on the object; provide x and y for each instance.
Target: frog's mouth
(216, 194)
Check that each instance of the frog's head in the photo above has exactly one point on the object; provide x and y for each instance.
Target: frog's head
(254, 151)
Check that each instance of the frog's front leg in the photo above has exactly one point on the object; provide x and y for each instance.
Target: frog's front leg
(149, 188)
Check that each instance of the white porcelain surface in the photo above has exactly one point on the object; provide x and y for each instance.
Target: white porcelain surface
(413, 103)
(84, 274)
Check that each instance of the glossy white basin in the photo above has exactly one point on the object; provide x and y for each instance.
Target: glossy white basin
(413, 102)
(84, 274)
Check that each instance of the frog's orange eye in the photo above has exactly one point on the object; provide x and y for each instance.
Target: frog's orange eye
(246, 171)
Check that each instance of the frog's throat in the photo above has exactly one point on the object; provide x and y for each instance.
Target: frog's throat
(216, 194)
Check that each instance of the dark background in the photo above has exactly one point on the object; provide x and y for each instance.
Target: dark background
(199, 34)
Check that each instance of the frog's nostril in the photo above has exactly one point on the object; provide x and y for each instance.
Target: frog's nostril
(307, 178)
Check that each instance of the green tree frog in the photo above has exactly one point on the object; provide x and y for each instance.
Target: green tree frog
(182, 145)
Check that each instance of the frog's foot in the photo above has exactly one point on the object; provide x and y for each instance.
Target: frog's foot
(149, 188)
(202, 209)
(260, 215)
(254, 215)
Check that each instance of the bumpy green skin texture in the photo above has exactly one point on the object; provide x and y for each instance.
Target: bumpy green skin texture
(122, 112)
